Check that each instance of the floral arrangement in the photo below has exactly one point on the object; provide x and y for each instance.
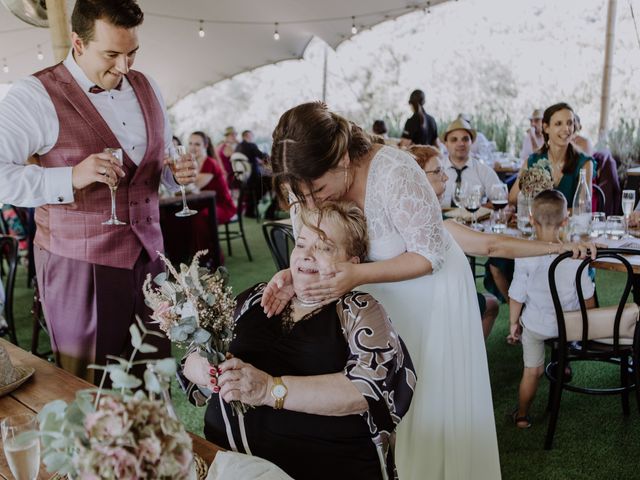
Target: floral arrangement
(194, 308)
(118, 434)
(536, 179)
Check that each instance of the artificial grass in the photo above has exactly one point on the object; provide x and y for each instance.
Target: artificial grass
(593, 439)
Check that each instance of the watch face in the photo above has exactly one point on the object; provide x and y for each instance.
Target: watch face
(279, 391)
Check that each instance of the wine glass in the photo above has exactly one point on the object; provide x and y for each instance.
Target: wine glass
(113, 220)
(21, 445)
(615, 227)
(499, 197)
(472, 202)
(598, 224)
(177, 155)
(628, 202)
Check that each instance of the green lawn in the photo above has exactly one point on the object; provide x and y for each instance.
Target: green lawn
(593, 439)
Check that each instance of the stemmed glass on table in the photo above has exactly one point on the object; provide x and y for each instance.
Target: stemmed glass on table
(628, 202)
(499, 197)
(115, 153)
(177, 155)
(472, 200)
(21, 445)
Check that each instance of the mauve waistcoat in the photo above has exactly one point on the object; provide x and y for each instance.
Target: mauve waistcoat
(75, 230)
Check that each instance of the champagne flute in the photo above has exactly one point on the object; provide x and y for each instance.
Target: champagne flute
(628, 202)
(176, 156)
(499, 197)
(113, 220)
(21, 445)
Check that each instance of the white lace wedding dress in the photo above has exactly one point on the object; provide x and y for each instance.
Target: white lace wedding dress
(449, 432)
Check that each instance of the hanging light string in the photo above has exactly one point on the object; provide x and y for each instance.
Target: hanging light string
(635, 24)
(201, 30)
(5, 66)
(276, 34)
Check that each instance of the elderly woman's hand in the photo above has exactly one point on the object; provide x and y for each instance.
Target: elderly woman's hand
(244, 382)
(339, 279)
(582, 249)
(634, 219)
(278, 292)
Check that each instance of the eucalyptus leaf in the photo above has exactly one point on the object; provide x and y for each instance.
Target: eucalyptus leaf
(55, 461)
(178, 333)
(151, 382)
(136, 338)
(122, 379)
(147, 348)
(57, 407)
(160, 279)
(166, 367)
(210, 298)
(201, 336)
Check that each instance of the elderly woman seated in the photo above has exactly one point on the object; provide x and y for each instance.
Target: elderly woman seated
(329, 381)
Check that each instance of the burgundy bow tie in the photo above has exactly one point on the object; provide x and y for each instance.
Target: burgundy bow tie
(97, 89)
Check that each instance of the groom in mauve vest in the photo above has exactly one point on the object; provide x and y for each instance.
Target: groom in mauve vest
(90, 275)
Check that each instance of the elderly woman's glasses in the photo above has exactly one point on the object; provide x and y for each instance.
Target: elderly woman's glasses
(437, 171)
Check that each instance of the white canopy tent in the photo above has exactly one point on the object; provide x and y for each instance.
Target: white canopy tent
(238, 36)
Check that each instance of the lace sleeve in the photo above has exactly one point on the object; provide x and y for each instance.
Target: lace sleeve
(415, 211)
(378, 365)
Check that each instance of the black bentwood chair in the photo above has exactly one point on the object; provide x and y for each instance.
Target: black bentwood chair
(280, 239)
(604, 334)
(8, 268)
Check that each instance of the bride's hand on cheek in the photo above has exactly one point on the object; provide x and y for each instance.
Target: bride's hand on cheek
(336, 280)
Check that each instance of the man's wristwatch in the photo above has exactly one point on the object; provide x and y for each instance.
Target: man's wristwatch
(278, 392)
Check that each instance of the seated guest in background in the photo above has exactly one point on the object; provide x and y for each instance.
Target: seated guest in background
(259, 181)
(430, 160)
(460, 167)
(533, 139)
(330, 381)
(380, 128)
(564, 160)
(530, 287)
(226, 148)
(581, 142)
(482, 147)
(211, 176)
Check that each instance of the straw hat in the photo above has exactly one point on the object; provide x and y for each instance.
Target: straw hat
(537, 113)
(460, 124)
(230, 131)
(11, 377)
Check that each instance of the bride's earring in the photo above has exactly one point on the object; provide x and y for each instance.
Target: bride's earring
(346, 179)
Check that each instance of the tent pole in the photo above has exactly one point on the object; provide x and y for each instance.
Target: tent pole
(606, 74)
(59, 27)
(324, 74)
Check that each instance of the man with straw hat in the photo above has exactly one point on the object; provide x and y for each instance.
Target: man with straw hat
(533, 138)
(459, 166)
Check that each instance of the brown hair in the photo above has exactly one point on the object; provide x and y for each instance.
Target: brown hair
(348, 217)
(120, 13)
(308, 141)
(572, 154)
(423, 153)
(549, 208)
(416, 100)
(206, 141)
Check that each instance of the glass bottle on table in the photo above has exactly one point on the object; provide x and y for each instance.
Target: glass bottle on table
(116, 153)
(21, 445)
(177, 155)
(628, 203)
(581, 211)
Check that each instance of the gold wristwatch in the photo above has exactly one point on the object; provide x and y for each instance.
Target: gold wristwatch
(278, 392)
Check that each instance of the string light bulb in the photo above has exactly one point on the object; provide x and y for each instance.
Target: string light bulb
(5, 67)
(276, 35)
(40, 55)
(201, 33)
(354, 29)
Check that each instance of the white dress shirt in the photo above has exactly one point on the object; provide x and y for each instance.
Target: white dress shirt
(530, 286)
(476, 172)
(29, 125)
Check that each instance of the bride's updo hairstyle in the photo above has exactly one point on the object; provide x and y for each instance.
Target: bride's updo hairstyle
(308, 141)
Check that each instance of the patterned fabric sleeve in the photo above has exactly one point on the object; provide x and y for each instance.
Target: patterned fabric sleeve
(379, 366)
(197, 395)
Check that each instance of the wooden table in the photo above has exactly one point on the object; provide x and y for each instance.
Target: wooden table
(179, 232)
(52, 383)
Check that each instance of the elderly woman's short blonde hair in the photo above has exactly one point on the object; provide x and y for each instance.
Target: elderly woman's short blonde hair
(347, 216)
(423, 153)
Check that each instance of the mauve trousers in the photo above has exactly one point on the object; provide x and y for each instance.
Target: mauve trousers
(89, 309)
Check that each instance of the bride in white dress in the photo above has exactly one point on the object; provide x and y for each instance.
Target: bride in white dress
(418, 273)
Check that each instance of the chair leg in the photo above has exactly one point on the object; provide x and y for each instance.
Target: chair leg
(552, 385)
(244, 240)
(624, 381)
(636, 376)
(226, 232)
(555, 403)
